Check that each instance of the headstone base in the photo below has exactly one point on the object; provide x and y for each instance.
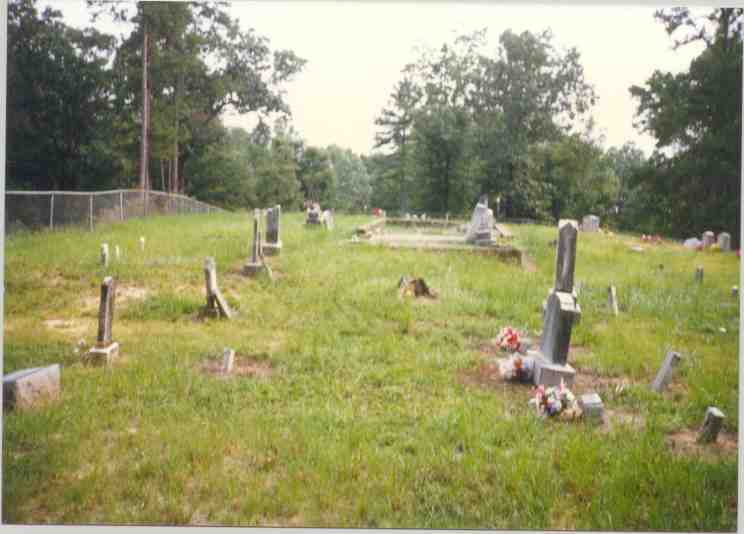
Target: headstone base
(272, 249)
(577, 318)
(103, 355)
(550, 374)
(252, 269)
(24, 388)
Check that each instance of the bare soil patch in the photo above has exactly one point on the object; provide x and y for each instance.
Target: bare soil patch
(245, 366)
(587, 380)
(684, 443)
(71, 327)
(614, 418)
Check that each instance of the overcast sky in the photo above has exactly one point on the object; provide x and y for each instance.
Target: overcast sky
(355, 53)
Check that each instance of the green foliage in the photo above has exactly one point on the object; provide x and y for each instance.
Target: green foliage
(353, 187)
(693, 178)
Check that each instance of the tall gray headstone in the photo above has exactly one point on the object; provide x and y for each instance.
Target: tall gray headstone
(105, 349)
(664, 376)
(255, 263)
(565, 256)
(708, 238)
(712, 425)
(724, 241)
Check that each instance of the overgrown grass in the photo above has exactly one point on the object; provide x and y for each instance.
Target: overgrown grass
(366, 420)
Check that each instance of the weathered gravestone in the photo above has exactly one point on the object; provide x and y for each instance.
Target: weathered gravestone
(313, 215)
(106, 349)
(228, 361)
(711, 425)
(327, 219)
(104, 254)
(27, 387)
(142, 243)
(590, 223)
(664, 376)
(216, 303)
(561, 313)
(481, 224)
(708, 239)
(273, 243)
(724, 241)
(612, 300)
(699, 275)
(254, 265)
(591, 406)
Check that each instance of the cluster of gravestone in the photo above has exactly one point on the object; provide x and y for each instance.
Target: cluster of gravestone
(27, 387)
(708, 240)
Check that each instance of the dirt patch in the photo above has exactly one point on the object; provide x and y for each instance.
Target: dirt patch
(614, 418)
(70, 327)
(487, 376)
(246, 366)
(684, 443)
(124, 294)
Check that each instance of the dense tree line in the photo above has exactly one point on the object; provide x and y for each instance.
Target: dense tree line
(516, 125)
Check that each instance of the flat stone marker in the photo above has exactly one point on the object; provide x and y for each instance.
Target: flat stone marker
(565, 257)
(591, 406)
(273, 244)
(711, 425)
(724, 241)
(664, 376)
(255, 264)
(612, 300)
(104, 254)
(106, 349)
(699, 275)
(142, 244)
(27, 387)
(228, 361)
(216, 303)
(708, 239)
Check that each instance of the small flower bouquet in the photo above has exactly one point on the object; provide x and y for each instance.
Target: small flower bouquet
(553, 401)
(517, 368)
(508, 339)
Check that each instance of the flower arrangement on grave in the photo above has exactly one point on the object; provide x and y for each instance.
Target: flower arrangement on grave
(517, 368)
(508, 339)
(655, 239)
(553, 401)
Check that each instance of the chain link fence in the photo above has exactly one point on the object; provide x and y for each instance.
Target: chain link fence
(34, 210)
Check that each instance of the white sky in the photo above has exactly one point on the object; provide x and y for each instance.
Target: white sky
(356, 51)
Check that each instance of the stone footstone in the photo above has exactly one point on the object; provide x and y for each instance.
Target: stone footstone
(664, 376)
(228, 361)
(612, 300)
(724, 241)
(592, 407)
(27, 387)
(708, 239)
(711, 425)
(104, 254)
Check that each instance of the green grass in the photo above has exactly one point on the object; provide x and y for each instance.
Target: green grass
(366, 420)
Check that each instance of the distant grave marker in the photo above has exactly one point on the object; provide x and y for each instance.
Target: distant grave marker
(216, 303)
(664, 376)
(708, 239)
(699, 275)
(255, 264)
(712, 425)
(724, 241)
(104, 254)
(273, 244)
(612, 300)
(228, 360)
(590, 223)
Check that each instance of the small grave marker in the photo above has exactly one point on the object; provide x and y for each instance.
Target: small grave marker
(590, 223)
(273, 244)
(27, 387)
(228, 361)
(612, 300)
(734, 291)
(142, 243)
(106, 349)
(591, 406)
(699, 275)
(216, 303)
(664, 376)
(255, 264)
(104, 254)
(724, 241)
(117, 252)
(711, 425)
(481, 224)
(708, 239)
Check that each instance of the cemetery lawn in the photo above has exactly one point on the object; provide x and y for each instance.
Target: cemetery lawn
(352, 407)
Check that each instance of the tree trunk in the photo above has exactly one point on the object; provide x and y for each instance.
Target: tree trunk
(144, 156)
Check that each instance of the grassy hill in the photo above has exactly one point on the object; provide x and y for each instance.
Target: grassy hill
(352, 407)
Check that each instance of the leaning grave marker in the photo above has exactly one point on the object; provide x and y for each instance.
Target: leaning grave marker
(216, 303)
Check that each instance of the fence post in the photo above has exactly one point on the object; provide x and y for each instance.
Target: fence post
(91, 212)
(51, 214)
(121, 204)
